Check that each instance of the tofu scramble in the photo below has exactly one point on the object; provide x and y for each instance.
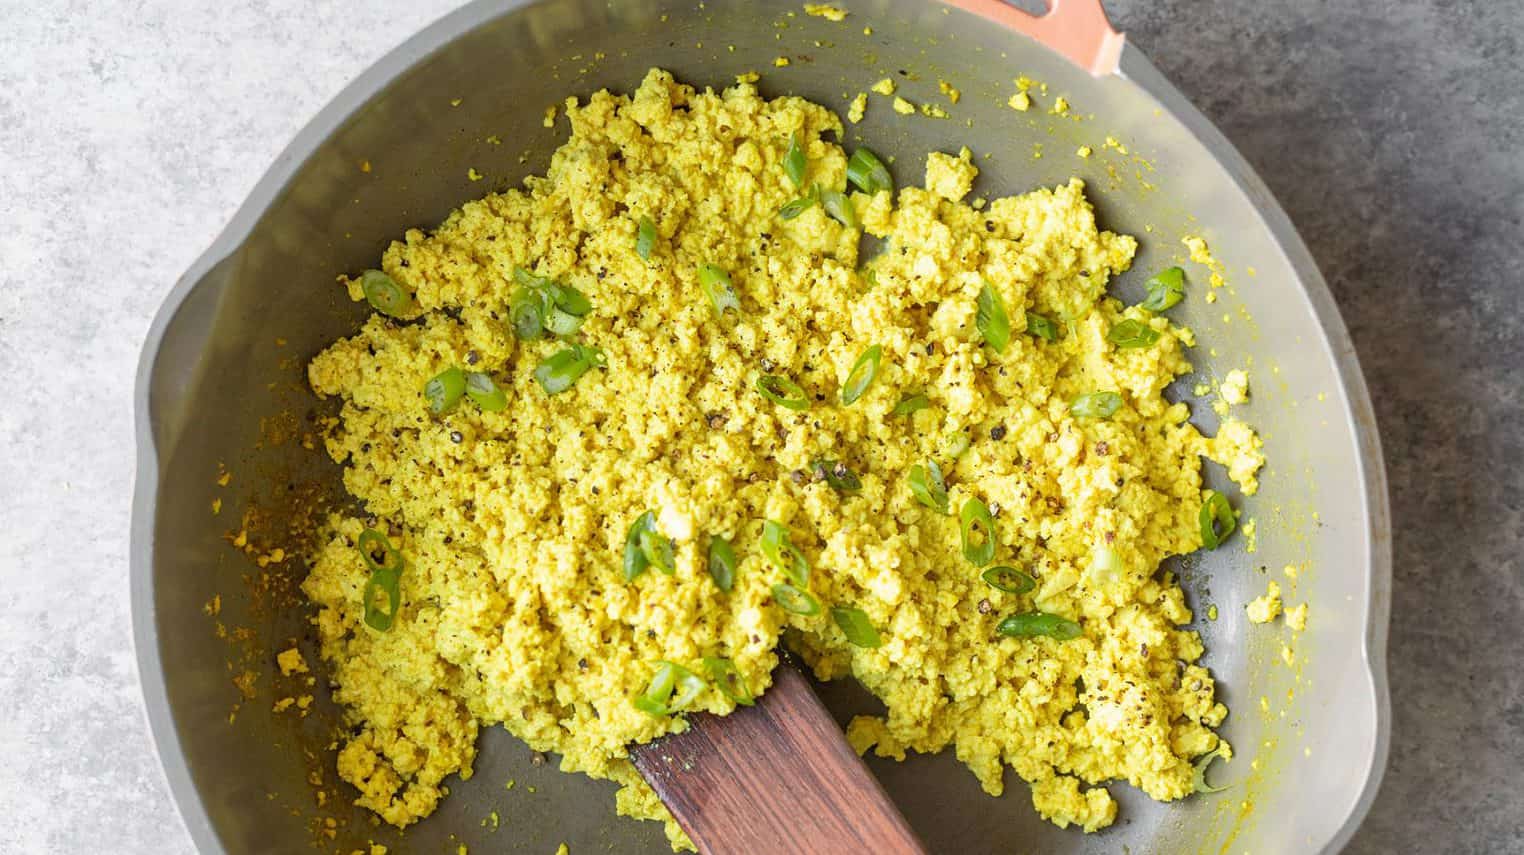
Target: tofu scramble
(570, 525)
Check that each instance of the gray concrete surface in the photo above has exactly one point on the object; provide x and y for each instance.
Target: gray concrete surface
(1393, 132)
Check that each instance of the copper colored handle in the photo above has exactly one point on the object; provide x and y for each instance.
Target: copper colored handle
(1076, 29)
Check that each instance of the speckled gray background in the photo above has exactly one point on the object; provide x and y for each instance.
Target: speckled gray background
(1393, 133)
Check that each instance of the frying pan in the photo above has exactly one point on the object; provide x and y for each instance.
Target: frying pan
(221, 397)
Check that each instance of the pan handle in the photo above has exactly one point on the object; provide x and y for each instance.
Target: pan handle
(1076, 29)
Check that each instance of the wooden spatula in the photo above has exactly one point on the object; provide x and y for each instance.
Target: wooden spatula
(778, 777)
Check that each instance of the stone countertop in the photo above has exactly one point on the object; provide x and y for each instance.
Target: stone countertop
(1390, 130)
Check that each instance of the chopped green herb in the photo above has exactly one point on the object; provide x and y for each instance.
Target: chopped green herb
(716, 284)
(863, 372)
(385, 564)
(855, 625)
(672, 689)
(1217, 520)
(1034, 624)
(792, 599)
(977, 529)
(1132, 333)
(794, 163)
(1095, 405)
(991, 320)
(1041, 327)
(722, 563)
(1165, 289)
(783, 555)
(728, 680)
(871, 176)
(385, 295)
(657, 548)
(563, 368)
(636, 561)
(445, 390)
(1008, 579)
(783, 392)
(543, 304)
(956, 444)
(486, 394)
(927, 486)
(1199, 769)
(645, 238)
(795, 207)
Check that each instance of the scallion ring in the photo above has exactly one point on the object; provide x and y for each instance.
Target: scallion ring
(722, 563)
(716, 284)
(991, 320)
(671, 689)
(1217, 520)
(645, 238)
(486, 394)
(862, 375)
(445, 390)
(723, 673)
(927, 486)
(910, 404)
(385, 295)
(1132, 333)
(1165, 289)
(657, 548)
(1095, 405)
(1199, 769)
(783, 392)
(783, 554)
(795, 600)
(385, 579)
(854, 623)
(956, 443)
(795, 207)
(563, 368)
(839, 206)
(636, 559)
(868, 172)
(1008, 579)
(977, 529)
(1034, 624)
(526, 311)
(794, 163)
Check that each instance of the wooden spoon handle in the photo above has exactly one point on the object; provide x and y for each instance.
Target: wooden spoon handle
(778, 777)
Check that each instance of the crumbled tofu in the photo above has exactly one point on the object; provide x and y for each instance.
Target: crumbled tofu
(952, 93)
(951, 177)
(903, 107)
(291, 662)
(1265, 609)
(884, 87)
(1020, 101)
(1084, 151)
(858, 108)
(825, 10)
(1296, 617)
(1235, 387)
(781, 62)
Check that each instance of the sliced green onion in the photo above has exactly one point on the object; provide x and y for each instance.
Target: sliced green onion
(1165, 289)
(1095, 405)
(444, 391)
(722, 563)
(657, 548)
(836, 474)
(385, 579)
(672, 689)
(1008, 579)
(636, 561)
(645, 238)
(561, 369)
(1132, 333)
(910, 404)
(486, 394)
(870, 276)
(728, 680)
(855, 625)
(783, 392)
(868, 172)
(1199, 769)
(783, 555)
(794, 164)
(569, 299)
(927, 486)
(863, 372)
(532, 281)
(977, 529)
(956, 444)
(716, 284)
(562, 324)
(839, 206)
(385, 295)
(1041, 327)
(794, 600)
(1105, 565)
(1034, 624)
(1217, 520)
(992, 321)
(795, 207)
(526, 311)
